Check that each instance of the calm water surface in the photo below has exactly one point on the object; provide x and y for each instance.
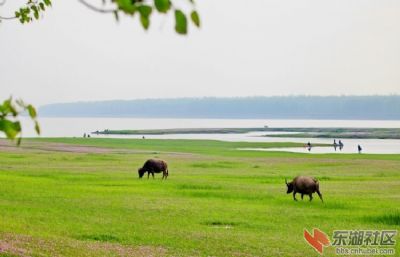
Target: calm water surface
(76, 127)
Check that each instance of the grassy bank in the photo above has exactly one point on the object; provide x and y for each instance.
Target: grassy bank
(361, 133)
(377, 133)
(216, 202)
(178, 131)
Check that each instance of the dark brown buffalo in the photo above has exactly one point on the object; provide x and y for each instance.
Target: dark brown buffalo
(304, 186)
(154, 166)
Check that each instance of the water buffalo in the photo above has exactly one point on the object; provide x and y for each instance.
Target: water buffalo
(154, 166)
(304, 186)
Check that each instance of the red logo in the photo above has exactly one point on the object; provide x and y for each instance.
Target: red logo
(318, 241)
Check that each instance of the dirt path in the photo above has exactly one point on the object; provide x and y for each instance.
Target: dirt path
(27, 246)
(9, 146)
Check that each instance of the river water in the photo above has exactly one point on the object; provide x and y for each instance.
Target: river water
(76, 127)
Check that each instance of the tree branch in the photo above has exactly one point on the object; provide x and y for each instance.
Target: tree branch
(96, 9)
(2, 2)
(88, 5)
(7, 18)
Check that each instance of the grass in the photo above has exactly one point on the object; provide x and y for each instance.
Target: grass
(217, 201)
(389, 219)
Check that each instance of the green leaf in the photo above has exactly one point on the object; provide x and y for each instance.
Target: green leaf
(145, 21)
(47, 2)
(162, 5)
(11, 129)
(41, 5)
(37, 127)
(32, 111)
(9, 108)
(36, 14)
(145, 12)
(195, 18)
(126, 6)
(180, 22)
(7, 104)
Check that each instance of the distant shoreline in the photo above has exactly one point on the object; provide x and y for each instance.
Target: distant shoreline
(179, 131)
(348, 133)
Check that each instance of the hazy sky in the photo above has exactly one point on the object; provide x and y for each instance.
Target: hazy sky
(245, 48)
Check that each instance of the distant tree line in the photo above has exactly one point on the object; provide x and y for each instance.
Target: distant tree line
(285, 107)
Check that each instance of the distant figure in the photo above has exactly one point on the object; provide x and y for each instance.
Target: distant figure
(143, 137)
(88, 135)
(340, 145)
(309, 146)
(84, 135)
(334, 144)
(359, 148)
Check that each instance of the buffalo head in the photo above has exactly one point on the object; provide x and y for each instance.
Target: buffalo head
(289, 186)
(141, 172)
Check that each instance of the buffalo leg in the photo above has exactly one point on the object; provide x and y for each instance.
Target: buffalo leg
(294, 196)
(310, 197)
(302, 196)
(320, 195)
(152, 174)
(148, 175)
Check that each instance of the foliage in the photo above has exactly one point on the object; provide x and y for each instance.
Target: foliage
(144, 9)
(9, 111)
(32, 10)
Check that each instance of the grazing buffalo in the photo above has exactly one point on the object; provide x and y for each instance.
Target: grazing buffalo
(304, 186)
(154, 166)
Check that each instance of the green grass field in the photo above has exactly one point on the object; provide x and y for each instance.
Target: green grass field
(217, 201)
